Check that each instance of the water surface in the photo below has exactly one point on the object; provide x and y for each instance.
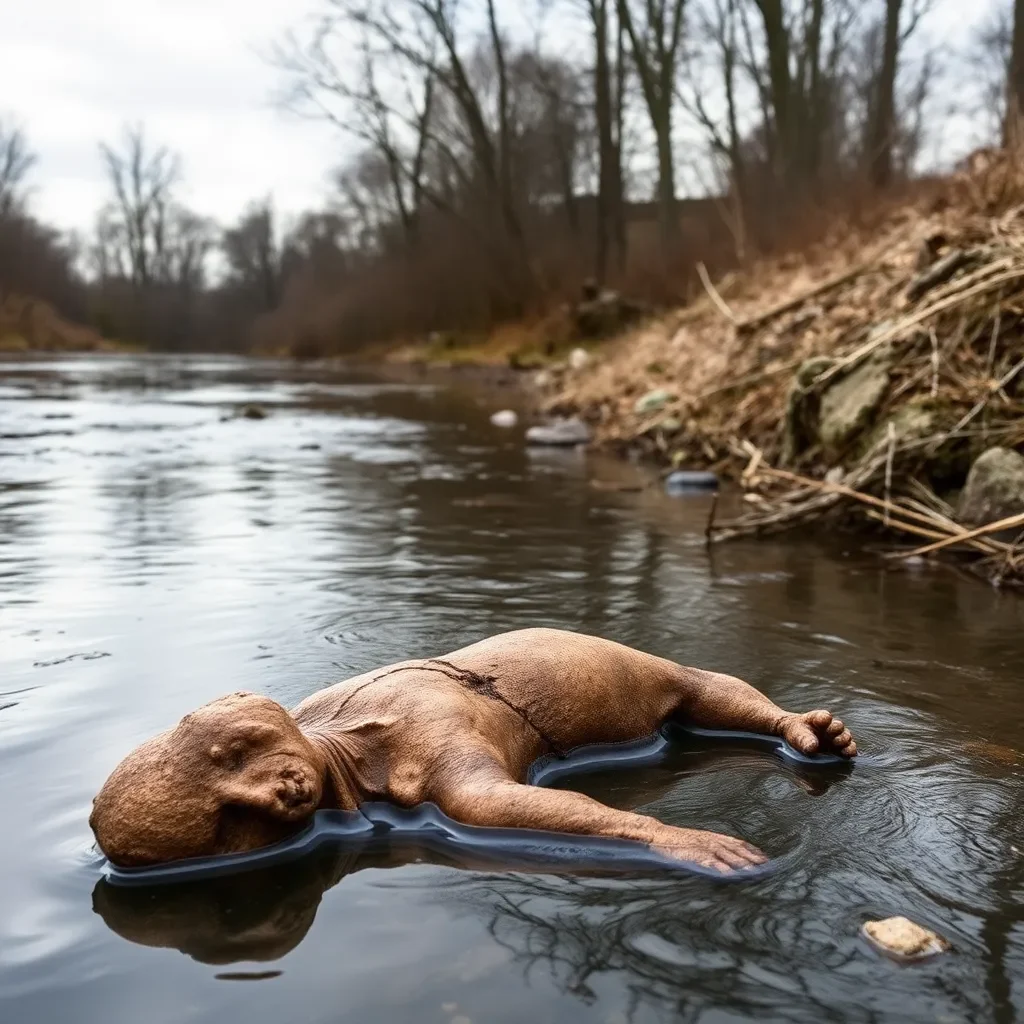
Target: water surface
(157, 551)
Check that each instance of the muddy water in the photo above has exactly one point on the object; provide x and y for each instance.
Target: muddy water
(155, 553)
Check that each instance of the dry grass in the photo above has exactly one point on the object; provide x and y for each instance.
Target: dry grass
(27, 325)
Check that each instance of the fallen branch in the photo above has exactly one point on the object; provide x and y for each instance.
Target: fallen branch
(827, 285)
(1011, 523)
(720, 303)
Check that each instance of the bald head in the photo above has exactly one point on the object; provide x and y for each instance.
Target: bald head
(233, 776)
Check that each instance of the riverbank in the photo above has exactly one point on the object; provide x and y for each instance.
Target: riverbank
(862, 383)
(28, 325)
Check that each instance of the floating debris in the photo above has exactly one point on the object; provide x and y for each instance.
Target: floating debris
(901, 939)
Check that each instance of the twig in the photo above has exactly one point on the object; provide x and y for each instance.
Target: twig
(1012, 523)
(935, 362)
(868, 499)
(702, 273)
(812, 293)
(991, 364)
(888, 467)
(709, 530)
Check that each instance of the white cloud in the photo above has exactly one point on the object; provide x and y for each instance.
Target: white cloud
(194, 73)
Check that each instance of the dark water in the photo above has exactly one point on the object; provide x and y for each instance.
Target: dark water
(154, 555)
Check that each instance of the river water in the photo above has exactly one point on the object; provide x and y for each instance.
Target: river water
(157, 551)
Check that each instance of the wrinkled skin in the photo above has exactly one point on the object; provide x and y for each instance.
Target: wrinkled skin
(458, 731)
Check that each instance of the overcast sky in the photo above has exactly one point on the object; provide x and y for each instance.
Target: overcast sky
(194, 71)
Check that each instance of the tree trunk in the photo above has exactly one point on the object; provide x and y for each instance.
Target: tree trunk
(776, 36)
(605, 139)
(883, 126)
(1015, 92)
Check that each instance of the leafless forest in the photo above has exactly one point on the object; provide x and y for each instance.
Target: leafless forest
(489, 168)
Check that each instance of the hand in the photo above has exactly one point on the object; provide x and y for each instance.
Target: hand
(817, 732)
(724, 854)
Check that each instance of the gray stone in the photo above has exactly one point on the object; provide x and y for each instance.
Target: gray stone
(848, 406)
(560, 434)
(652, 402)
(802, 405)
(994, 489)
(911, 422)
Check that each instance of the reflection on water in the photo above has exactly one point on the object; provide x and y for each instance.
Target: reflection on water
(156, 551)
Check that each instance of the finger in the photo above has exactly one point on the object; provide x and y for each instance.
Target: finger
(733, 858)
(818, 719)
(836, 727)
(805, 741)
(751, 853)
(721, 866)
(844, 739)
(850, 750)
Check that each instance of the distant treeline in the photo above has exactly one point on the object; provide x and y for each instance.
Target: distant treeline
(496, 164)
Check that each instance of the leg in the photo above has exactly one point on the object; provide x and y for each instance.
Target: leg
(489, 797)
(722, 702)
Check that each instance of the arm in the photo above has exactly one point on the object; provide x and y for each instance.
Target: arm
(490, 798)
(718, 701)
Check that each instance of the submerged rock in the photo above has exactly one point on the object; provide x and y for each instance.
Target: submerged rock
(994, 489)
(505, 419)
(684, 482)
(560, 434)
(903, 940)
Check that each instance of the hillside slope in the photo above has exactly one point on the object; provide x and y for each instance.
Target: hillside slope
(869, 373)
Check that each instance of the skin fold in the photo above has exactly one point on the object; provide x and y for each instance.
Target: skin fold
(458, 731)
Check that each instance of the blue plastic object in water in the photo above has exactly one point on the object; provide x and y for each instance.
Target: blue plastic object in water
(690, 482)
(429, 827)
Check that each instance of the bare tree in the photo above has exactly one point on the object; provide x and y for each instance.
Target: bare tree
(142, 180)
(898, 25)
(608, 101)
(252, 249)
(16, 160)
(655, 31)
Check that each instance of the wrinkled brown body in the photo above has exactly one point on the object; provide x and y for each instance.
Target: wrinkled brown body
(459, 731)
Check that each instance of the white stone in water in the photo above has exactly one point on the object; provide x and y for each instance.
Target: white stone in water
(579, 358)
(904, 940)
(506, 419)
(560, 434)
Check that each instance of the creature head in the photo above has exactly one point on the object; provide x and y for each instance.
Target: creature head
(233, 776)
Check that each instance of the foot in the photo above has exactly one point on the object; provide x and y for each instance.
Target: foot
(724, 854)
(817, 732)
